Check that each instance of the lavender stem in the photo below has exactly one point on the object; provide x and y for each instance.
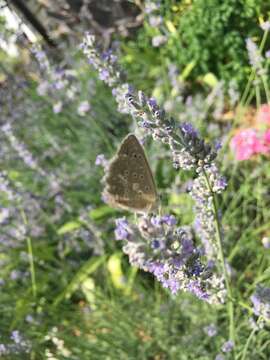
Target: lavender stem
(222, 259)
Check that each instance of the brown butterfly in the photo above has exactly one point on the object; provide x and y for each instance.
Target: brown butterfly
(129, 182)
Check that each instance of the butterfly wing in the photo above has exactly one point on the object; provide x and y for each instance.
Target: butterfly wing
(129, 182)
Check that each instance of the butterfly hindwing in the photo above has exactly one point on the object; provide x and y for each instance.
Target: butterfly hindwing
(129, 181)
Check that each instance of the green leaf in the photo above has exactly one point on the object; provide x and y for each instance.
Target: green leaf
(187, 70)
(115, 270)
(101, 212)
(88, 268)
(69, 227)
(210, 79)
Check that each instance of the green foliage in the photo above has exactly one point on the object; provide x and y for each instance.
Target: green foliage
(213, 33)
(209, 33)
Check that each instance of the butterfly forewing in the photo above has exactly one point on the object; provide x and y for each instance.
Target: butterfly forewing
(129, 181)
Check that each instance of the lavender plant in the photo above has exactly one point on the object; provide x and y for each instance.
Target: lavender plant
(60, 84)
(167, 251)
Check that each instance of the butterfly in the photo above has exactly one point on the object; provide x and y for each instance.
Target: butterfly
(129, 182)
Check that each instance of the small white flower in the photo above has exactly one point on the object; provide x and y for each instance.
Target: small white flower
(266, 242)
(159, 40)
(42, 88)
(4, 214)
(57, 107)
(155, 21)
(83, 108)
(265, 26)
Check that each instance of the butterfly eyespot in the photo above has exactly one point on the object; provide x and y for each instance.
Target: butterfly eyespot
(134, 155)
(141, 177)
(139, 192)
(147, 188)
(126, 172)
(135, 175)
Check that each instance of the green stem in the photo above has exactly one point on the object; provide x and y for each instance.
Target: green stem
(251, 335)
(31, 258)
(222, 259)
(32, 266)
(253, 72)
(266, 88)
(258, 96)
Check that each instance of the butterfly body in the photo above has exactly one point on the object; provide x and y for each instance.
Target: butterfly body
(129, 181)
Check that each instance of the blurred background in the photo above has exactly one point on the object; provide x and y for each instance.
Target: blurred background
(66, 289)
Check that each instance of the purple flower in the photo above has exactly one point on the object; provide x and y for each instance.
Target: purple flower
(221, 184)
(157, 269)
(169, 220)
(16, 337)
(220, 357)
(267, 54)
(261, 302)
(210, 330)
(106, 55)
(172, 284)
(155, 244)
(187, 247)
(227, 346)
(152, 103)
(156, 220)
(188, 129)
(217, 145)
(104, 75)
(196, 289)
(121, 231)
(101, 160)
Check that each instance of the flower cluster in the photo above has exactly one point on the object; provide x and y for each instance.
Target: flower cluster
(261, 302)
(17, 345)
(202, 192)
(159, 246)
(155, 20)
(263, 115)
(105, 63)
(253, 141)
(58, 83)
(226, 348)
(255, 57)
(28, 158)
(189, 151)
(249, 142)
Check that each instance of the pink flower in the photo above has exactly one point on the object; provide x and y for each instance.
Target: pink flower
(263, 115)
(247, 143)
(266, 138)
